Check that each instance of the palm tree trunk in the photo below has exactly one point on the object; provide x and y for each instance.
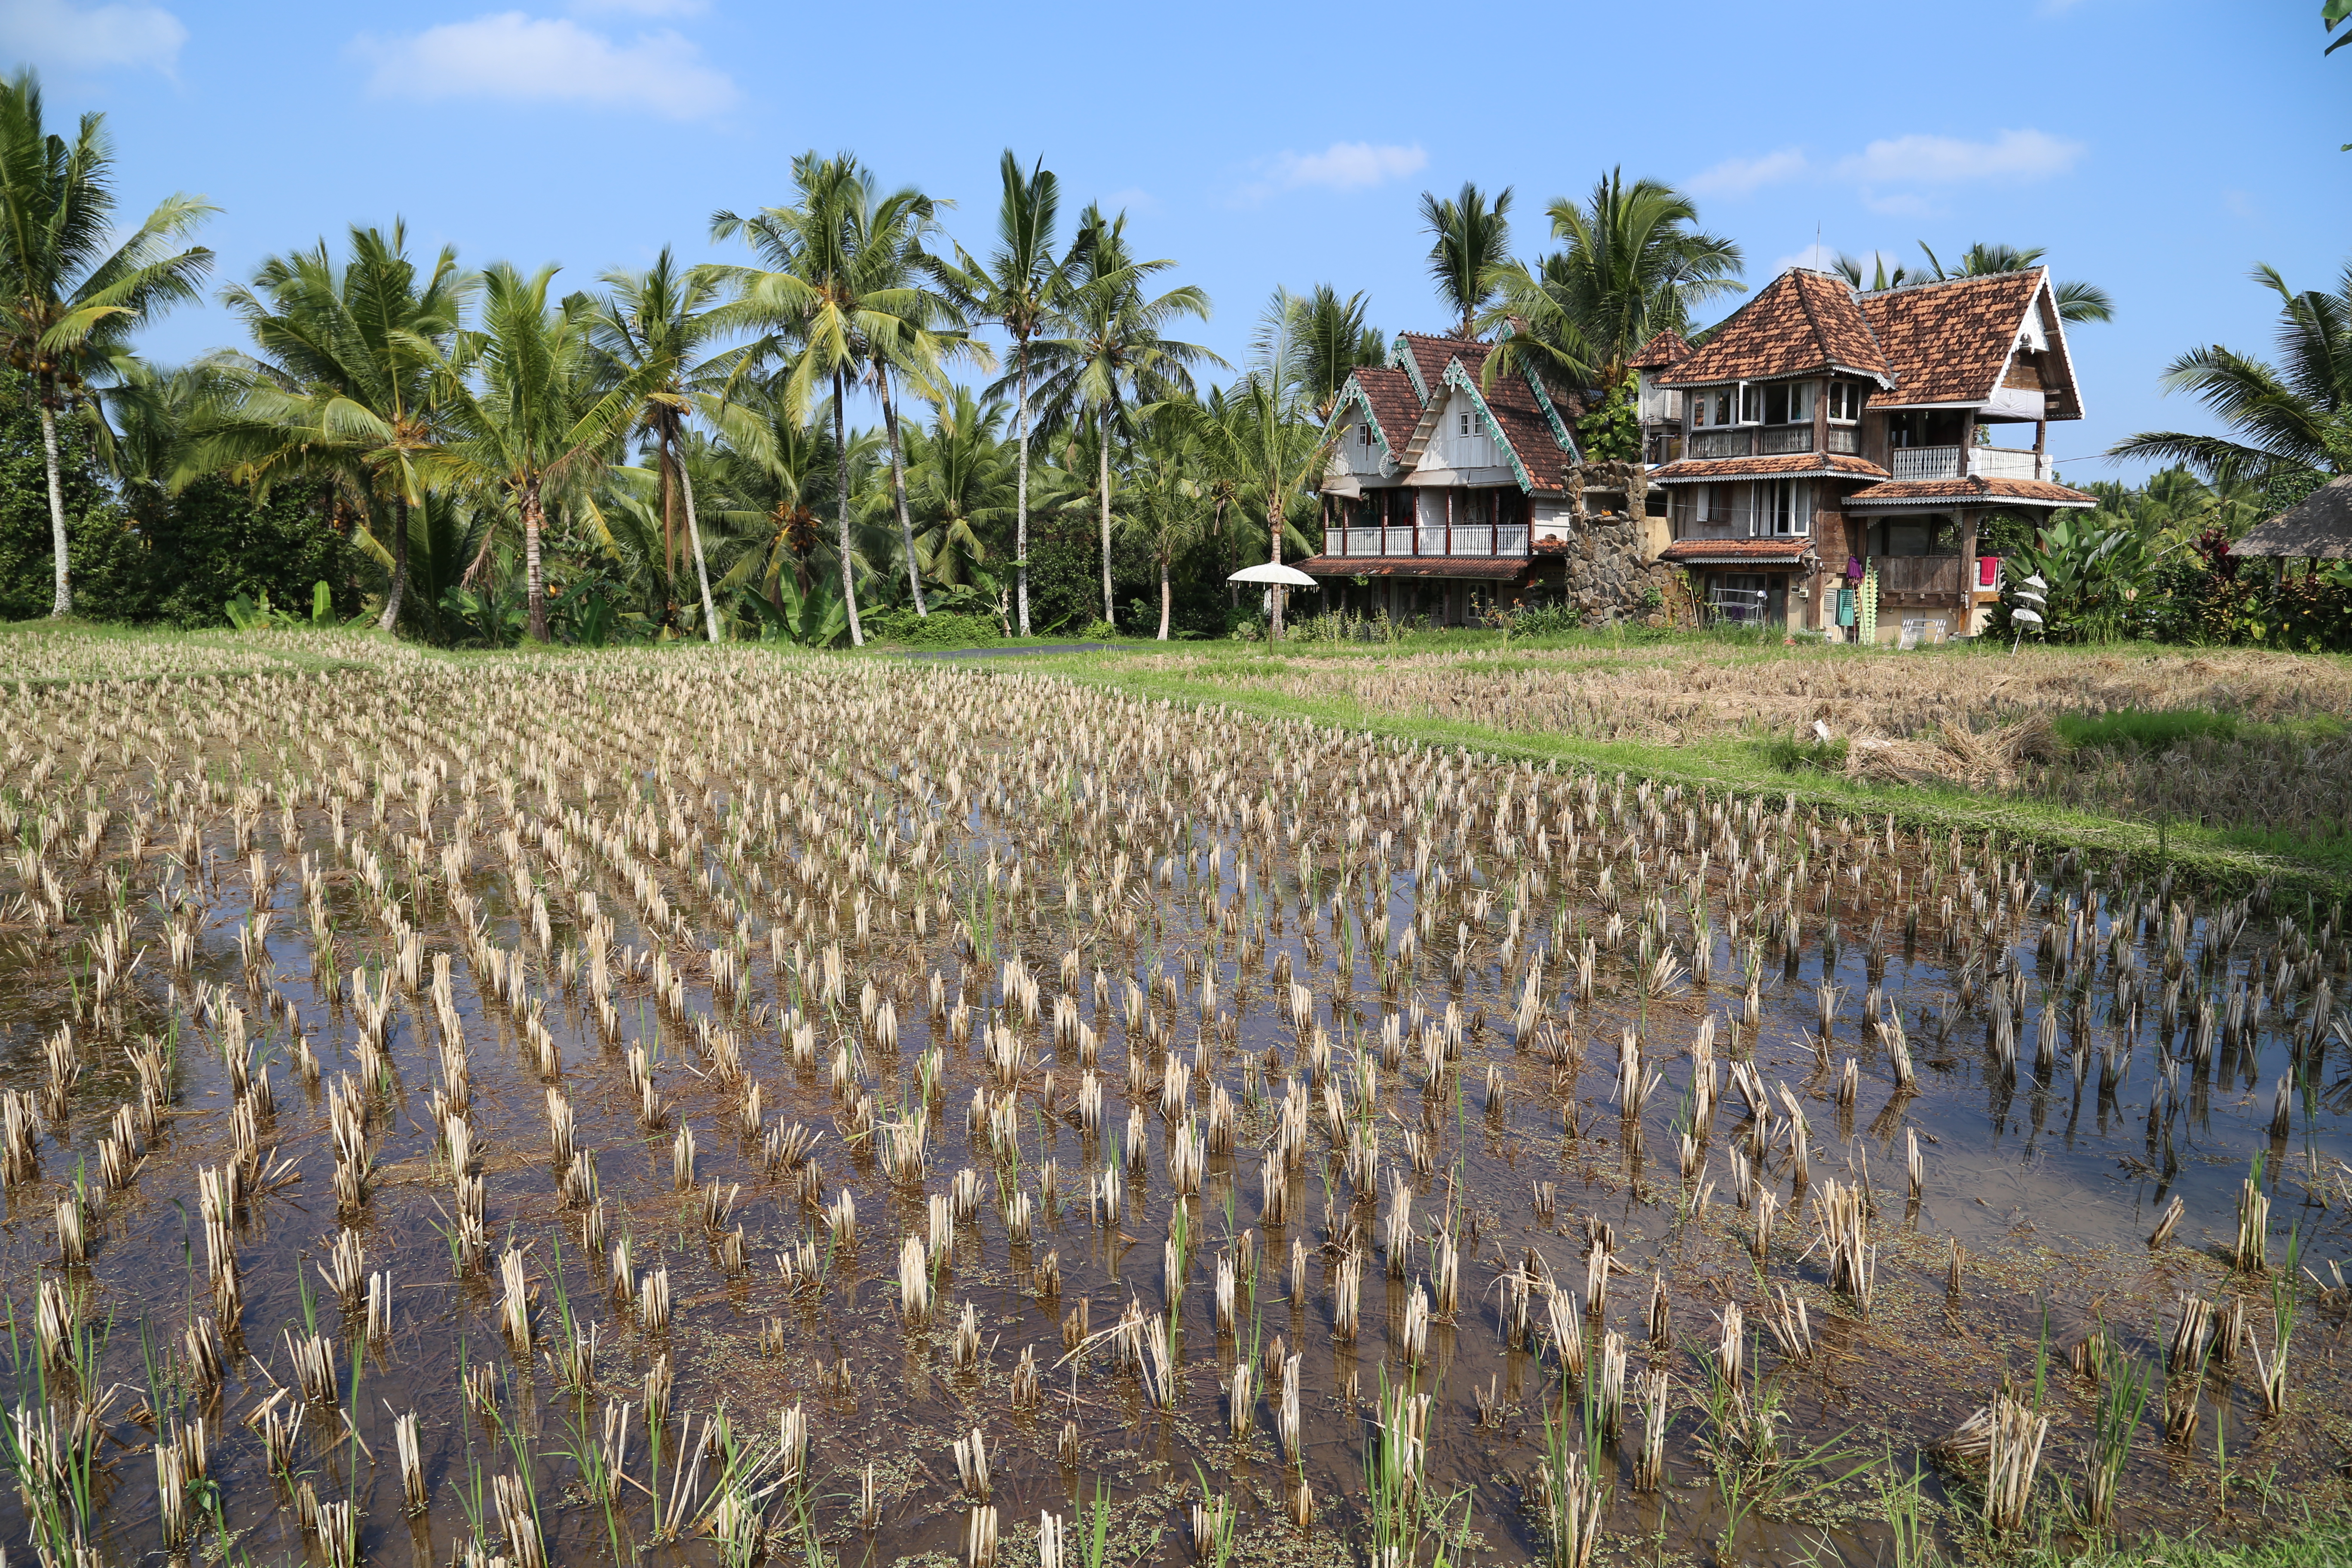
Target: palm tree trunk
(841, 488)
(534, 580)
(898, 495)
(1163, 599)
(63, 603)
(694, 540)
(1102, 431)
(1020, 499)
(1273, 541)
(399, 589)
(670, 527)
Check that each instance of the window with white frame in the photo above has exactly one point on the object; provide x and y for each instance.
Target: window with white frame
(1712, 406)
(1461, 423)
(1845, 401)
(1364, 434)
(1784, 506)
(1751, 403)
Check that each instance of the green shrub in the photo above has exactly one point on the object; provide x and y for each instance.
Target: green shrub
(940, 628)
(1791, 755)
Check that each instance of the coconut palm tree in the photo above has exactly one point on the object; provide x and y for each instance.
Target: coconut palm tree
(2077, 302)
(533, 418)
(1469, 238)
(774, 472)
(74, 287)
(1322, 338)
(1109, 353)
(1018, 289)
(2288, 424)
(1164, 474)
(836, 303)
(658, 323)
(341, 383)
(956, 483)
(1632, 263)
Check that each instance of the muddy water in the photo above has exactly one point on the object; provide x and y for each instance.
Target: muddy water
(2050, 1182)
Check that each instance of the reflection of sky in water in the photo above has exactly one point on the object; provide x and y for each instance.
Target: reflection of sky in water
(2056, 1177)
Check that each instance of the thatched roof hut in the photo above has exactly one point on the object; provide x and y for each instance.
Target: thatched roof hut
(2319, 528)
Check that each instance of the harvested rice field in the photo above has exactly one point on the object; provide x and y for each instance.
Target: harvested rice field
(710, 1105)
(2255, 739)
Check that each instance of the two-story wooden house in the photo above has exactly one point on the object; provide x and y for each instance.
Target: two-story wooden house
(1448, 491)
(1826, 439)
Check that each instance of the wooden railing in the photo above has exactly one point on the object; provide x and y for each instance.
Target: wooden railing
(1919, 576)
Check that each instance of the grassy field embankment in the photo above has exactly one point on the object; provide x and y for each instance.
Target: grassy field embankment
(2231, 767)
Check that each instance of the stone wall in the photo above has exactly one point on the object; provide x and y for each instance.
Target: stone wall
(1609, 574)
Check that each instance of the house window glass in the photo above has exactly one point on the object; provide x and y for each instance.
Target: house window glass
(1783, 507)
(1845, 401)
(1364, 435)
(1462, 426)
(1751, 403)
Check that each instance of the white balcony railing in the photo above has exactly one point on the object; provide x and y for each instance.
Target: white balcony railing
(1462, 538)
(1983, 462)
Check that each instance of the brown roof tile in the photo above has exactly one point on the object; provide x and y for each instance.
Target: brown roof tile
(1973, 489)
(1743, 552)
(1389, 393)
(1947, 342)
(1800, 321)
(1664, 349)
(1830, 465)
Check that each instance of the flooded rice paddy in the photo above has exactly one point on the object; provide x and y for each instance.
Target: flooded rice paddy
(708, 1108)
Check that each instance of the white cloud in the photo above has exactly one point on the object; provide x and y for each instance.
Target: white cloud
(1817, 257)
(639, 7)
(60, 32)
(2013, 157)
(1133, 199)
(1739, 176)
(547, 61)
(1341, 166)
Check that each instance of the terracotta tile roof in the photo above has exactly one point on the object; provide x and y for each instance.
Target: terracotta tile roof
(1923, 492)
(1389, 395)
(1947, 342)
(1800, 321)
(1737, 552)
(1489, 569)
(1510, 398)
(1790, 465)
(1430, 352)
(1665, 349)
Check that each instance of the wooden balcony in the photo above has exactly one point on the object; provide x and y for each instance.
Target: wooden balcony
(1914, 578)
(1463, 540)
(1971, 462)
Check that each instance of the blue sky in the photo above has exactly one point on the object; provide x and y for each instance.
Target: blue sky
(2157, 149)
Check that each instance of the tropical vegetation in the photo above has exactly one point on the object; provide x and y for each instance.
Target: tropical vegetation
(853, 425)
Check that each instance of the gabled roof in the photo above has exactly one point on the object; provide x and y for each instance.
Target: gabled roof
(1801, 323)
(1530, 422)
(1387, 396)
(1950, 341)
(1665, 350)
(1946, 341)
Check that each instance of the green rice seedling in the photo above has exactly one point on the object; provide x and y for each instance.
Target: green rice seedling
(2123, 1394)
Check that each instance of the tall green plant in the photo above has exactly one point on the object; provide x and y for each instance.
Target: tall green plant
(1469, 241)
(340, 384)
(532, 420)
(2291, 421)
(1018, 287)
(1632, 263)
(655, 326)
(837, 301)
(1110, 354)
(74, 287)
